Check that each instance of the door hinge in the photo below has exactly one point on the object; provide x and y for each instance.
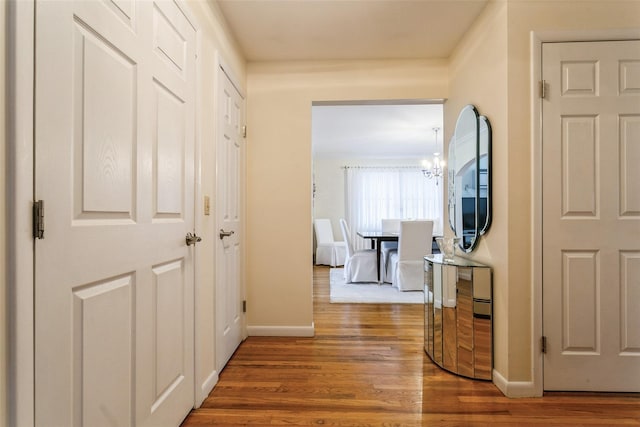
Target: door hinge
(38, 219)
(244, 306)
(543, 344)
(244, 131)
(543, 89)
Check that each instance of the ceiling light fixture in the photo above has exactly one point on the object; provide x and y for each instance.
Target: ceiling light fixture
(434, 170)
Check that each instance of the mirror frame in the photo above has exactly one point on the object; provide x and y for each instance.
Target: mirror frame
(451, 161)
(483, 147)
(483, 121)
(465, 177)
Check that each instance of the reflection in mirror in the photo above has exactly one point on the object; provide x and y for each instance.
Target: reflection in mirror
(484, 148)
(437, 314)
(465, 321)
(465, 178)
(482, 328)
(449, 339)
(428, 307)
(451, 172)
(458, 316)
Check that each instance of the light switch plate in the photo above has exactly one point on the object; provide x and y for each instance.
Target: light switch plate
(207, 205)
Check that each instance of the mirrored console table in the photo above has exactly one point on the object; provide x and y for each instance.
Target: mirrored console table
(458, 325)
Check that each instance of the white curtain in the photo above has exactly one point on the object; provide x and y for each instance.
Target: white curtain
(374, 193)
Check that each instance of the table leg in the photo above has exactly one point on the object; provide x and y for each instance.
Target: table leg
(378, 259)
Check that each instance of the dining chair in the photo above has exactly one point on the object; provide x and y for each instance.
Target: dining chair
(407, 264)
(328, 251)
(360, 265)
(387, 247)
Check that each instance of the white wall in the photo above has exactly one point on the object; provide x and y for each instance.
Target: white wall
(477, 73)
(214, 39)
(491, 68)
(328, 202)
(279, 164)
(524, 17)
(328, 172)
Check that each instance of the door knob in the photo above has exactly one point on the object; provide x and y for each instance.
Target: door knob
(224, 234)
(192, 239)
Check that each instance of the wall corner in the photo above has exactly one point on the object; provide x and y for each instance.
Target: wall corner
(515, 389)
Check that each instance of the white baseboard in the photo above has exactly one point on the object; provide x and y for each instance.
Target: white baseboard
(206, 388)
(281, 331)
(514, 388)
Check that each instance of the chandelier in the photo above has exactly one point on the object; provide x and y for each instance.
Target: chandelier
(434, 170)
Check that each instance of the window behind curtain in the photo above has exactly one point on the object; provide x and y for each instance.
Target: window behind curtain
(374, 193)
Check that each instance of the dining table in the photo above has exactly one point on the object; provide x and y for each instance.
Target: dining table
(376, 237)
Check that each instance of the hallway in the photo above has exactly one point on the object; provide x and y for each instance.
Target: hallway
(366, 367)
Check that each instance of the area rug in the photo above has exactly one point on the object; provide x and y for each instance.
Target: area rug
(368, 293)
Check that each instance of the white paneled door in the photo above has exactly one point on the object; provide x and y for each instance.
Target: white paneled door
(591, 215)
(230, 161)
(114, 114)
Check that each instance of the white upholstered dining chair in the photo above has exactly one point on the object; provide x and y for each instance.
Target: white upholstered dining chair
(407, 265)
(388, 247)
(328, 251)
(360, 265)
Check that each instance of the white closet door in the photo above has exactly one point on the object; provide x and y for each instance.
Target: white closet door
(591, 216)
(230, 161)
(115, 168)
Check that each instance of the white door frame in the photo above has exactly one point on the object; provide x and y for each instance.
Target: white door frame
(20, 173)
(537, 39)
(20, 262)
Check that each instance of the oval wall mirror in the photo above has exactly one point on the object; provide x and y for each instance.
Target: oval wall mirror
(469, 176)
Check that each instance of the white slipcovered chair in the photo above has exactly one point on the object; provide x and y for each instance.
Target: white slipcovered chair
(361, 265)
(328, 251)
(388, 247)
(407, 265)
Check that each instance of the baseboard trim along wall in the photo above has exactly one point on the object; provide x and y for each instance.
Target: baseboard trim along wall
(206, 388)
(514, 388)
(281, 331)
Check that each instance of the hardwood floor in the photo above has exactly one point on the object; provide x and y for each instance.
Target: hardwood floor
(366, 367)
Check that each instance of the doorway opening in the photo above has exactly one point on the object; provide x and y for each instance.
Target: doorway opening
(398, 136)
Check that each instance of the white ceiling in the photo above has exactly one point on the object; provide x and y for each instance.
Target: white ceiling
(276, 30)
(376, 131)
(281, 30)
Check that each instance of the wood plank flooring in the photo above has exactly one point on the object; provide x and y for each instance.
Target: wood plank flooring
(366, 367)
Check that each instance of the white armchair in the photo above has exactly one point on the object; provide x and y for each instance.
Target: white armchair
(407, 265)
(328, 251)
(361, 265)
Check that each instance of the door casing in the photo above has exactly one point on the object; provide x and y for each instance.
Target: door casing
(20, 251)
